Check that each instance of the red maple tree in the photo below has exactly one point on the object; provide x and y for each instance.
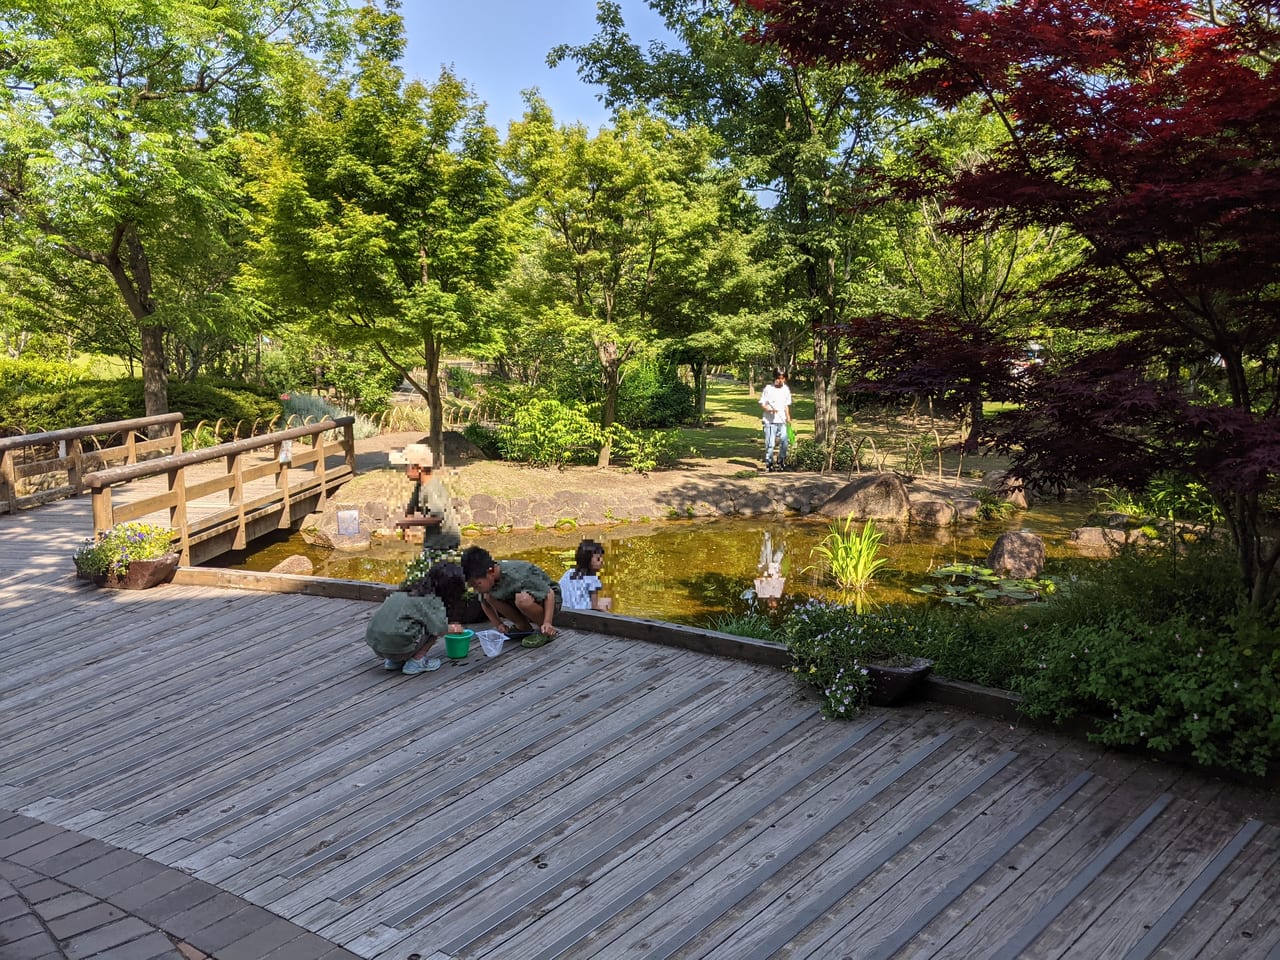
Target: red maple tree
(1152, 129)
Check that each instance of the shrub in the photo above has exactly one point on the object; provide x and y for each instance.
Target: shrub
(644, 450)
(461, 382)
(486, 438)
(546, 432)
(652, 395)
(852, 557)
(806, 454)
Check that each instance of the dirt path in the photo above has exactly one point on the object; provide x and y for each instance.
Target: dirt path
(497, 494)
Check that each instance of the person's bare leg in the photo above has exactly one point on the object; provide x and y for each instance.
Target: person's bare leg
(510, 612)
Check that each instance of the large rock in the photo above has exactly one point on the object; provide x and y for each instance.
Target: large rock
(879, 496)
(1101, 543)
(932, 513)
(297, 564)
(967, 508)
(1018, 554)
(1007, 488)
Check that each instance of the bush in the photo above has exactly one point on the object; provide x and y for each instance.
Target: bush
(486, 438)
(644, 450)
(19, 377)
(807, 454)
(461, 382)
(652, 395)
(546, 432)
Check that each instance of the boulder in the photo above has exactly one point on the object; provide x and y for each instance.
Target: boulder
(1101, 543)
(1019, 554)
(1007, 488)
(297, 564)
(967, 507)
(932, 513)
(879, 496)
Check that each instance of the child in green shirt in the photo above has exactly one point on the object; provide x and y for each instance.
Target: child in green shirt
(413, 618)
(516, 590)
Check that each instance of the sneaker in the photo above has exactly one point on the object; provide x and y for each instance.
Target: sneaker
(389, 664)
(412, 667)
(535, 640)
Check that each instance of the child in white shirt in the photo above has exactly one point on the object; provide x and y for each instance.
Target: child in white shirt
(580, 587)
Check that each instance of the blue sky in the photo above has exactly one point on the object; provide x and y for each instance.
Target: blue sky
(499, 47)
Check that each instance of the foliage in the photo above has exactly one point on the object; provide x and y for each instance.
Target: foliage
(852, 557)
(644, 450)
(969, 585)
(120, 124)
(1179, 684)
(807, 454)
(111, 552)
(751, 624)
(992, 505)
(101, 401)
(462, 382)
(653, 395)
(832, 644)
(19, 377)
(488, 439)
(1180, 267)
(548, 433)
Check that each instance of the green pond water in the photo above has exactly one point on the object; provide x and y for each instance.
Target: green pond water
(694, 571)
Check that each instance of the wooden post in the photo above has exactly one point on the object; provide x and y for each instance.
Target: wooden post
(103, 513)
(319, 471)
(177, 437)
(131, 447)
(178, 512)
(75, 467)
(349, 442)
(235, 496)
(9, 480)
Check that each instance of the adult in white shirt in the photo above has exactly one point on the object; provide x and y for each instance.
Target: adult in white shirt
(776, 401)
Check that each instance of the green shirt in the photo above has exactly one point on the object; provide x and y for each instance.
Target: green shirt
(403, 622)
(432, 499)
(518, 575)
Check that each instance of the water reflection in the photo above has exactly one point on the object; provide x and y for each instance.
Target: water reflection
(692, 571)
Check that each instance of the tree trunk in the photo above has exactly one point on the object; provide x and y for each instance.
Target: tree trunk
(435, 401)
(826, 354)
(700, 391)
(611, 364)
(155, 374)
(975, 422)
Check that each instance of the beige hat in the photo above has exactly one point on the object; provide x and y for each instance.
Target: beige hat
(414, 453)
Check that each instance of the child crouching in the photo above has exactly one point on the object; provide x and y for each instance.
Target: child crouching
(410, 620)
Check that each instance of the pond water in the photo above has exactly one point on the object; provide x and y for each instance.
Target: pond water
(694, 571)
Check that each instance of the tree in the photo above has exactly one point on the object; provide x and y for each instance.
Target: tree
(1155, 136)
(617, 214)
(798, 136)
(384, 213)
(117, 127)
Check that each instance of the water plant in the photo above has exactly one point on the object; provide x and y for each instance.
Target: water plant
(970, 585)
(851, 556)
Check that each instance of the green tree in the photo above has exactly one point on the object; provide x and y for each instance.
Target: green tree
(799, 136)
(384, 213)
(118, 125)
(616, 214)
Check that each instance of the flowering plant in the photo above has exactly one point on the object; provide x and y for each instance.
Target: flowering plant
(111, 551)
(832, 645)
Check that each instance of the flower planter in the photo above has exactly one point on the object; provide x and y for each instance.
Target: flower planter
(142, 574)
(891, 685)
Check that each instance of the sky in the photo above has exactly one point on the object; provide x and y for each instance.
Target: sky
(499, 47)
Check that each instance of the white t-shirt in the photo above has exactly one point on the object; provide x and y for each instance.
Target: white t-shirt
(777, 397)
(576, 589)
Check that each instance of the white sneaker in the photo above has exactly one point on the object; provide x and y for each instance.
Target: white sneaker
(389, 664)
(412, 667)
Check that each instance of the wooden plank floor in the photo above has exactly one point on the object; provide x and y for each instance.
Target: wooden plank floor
(597, 798)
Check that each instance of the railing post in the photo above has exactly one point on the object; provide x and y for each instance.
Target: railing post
(75, 467)
(349, 444)
(282, 484)
(235, 498)
(131, 447)
(177, 437)
(178, 512)
(9, 480)
(319, 472)
(103, 512)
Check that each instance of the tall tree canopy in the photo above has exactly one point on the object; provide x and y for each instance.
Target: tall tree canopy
(1152, 132)
(383, 212)
(116, 126)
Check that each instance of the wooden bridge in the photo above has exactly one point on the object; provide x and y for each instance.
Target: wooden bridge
(597, 798)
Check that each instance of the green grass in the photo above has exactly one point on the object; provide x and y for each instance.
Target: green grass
(731, 428)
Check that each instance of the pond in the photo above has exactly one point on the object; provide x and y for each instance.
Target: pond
(694, 571)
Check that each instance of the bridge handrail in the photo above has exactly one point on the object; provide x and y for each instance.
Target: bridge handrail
(113, 475)
(72, 458)
(87, 430)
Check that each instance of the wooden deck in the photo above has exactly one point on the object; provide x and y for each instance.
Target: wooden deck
(597, 798)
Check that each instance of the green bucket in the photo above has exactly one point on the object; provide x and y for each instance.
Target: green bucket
(458, 645)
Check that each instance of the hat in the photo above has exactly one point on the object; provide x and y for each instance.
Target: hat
(415, 453)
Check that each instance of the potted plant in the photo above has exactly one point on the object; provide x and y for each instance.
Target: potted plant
(132, 556)
(856, 659)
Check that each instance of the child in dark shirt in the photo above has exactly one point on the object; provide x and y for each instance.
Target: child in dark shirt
(516, 590)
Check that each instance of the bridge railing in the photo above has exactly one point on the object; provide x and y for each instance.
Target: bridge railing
(300, 475)
(24, 459)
